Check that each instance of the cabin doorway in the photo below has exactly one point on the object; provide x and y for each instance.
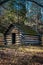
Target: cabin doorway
(13, 38)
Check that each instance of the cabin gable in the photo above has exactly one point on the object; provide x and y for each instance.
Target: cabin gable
(13, 36)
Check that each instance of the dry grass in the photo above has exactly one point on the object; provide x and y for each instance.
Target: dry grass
(21, 55)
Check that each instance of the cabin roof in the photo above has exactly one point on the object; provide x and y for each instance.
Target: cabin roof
(22, 27)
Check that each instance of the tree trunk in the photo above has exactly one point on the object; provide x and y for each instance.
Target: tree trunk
(40, 42)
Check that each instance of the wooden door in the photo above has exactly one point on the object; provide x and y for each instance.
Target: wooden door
(13, 38)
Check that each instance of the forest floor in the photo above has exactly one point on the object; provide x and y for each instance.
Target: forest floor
(21, 55)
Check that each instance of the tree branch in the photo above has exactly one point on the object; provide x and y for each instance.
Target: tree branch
(4, 1)
(36, 3)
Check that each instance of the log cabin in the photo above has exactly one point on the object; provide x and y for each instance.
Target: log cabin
(21, 34)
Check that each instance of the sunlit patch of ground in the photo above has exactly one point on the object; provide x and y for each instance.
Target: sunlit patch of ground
(21, 55)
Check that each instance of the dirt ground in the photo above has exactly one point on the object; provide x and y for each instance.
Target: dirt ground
(21, 56)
